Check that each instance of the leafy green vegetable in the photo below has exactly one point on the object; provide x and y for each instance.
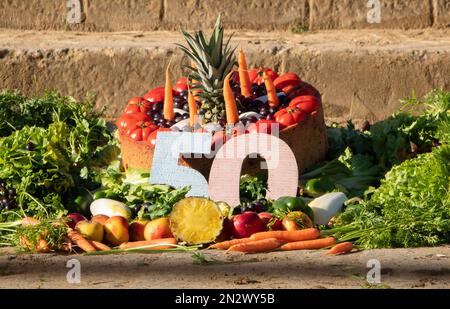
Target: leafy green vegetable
(411, 208)
(252, 188)
(341, 138)
(132, 188)
(59, 148)
(160, 199)
(352, 174)
(399, 137)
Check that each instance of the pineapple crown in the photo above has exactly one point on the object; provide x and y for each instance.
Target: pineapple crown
(211, 60)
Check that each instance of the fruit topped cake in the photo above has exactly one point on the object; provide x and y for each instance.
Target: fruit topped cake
(220, 92)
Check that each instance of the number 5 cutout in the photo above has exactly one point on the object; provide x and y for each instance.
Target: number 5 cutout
(165, 169)
(226, 169)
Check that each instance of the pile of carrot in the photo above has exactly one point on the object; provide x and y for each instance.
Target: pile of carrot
(307, 239)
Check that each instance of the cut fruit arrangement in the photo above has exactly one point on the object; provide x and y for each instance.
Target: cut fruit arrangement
(216, 95)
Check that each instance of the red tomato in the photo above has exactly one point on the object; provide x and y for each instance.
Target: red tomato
(289, 116)
(141, 116)
(151, 140)
(306, 103)
(253, 74)
(155, 95)
(137, 105)
(262, 126)
(260, 79)
(288, 79)
(181, 85)
(127, 121)
(300, 90)
(142, 131)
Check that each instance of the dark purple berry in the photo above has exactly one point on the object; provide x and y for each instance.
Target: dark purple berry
(30, 146)
(178, 104)
(158, 106)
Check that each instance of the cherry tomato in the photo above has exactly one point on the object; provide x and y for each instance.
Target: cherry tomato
(260, 80)
(151, 140)
(289, 116)
(262, 126)
(287, 79)
(142, 131)
(181, 85)
(306, 103)
(137, 105)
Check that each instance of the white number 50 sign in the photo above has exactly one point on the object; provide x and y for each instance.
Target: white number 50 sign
(226, 168)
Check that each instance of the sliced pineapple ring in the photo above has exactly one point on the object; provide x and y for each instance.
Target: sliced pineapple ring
(196, 220)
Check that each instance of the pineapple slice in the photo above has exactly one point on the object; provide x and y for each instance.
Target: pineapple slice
(196, 220)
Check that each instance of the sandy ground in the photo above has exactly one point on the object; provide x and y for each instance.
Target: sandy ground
(400, 268)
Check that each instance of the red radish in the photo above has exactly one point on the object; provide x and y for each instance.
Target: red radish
(306, 103)
(262, 126)
(260, 79)
(74, 218)
(246, 224)
(181, 85)
(288, 79)
(270, 222)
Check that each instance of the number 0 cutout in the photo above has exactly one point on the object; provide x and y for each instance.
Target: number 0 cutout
(226, 169)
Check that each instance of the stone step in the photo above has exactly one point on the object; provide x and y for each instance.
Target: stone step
(297, 15)
(361, 74)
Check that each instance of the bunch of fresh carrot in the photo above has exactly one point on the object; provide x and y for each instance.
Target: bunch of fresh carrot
(90, 246)
(307, 239)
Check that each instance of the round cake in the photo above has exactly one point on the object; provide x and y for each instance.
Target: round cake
(221, 95)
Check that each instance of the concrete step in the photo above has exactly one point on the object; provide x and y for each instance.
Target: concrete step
(361, 74)
(148, 15)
